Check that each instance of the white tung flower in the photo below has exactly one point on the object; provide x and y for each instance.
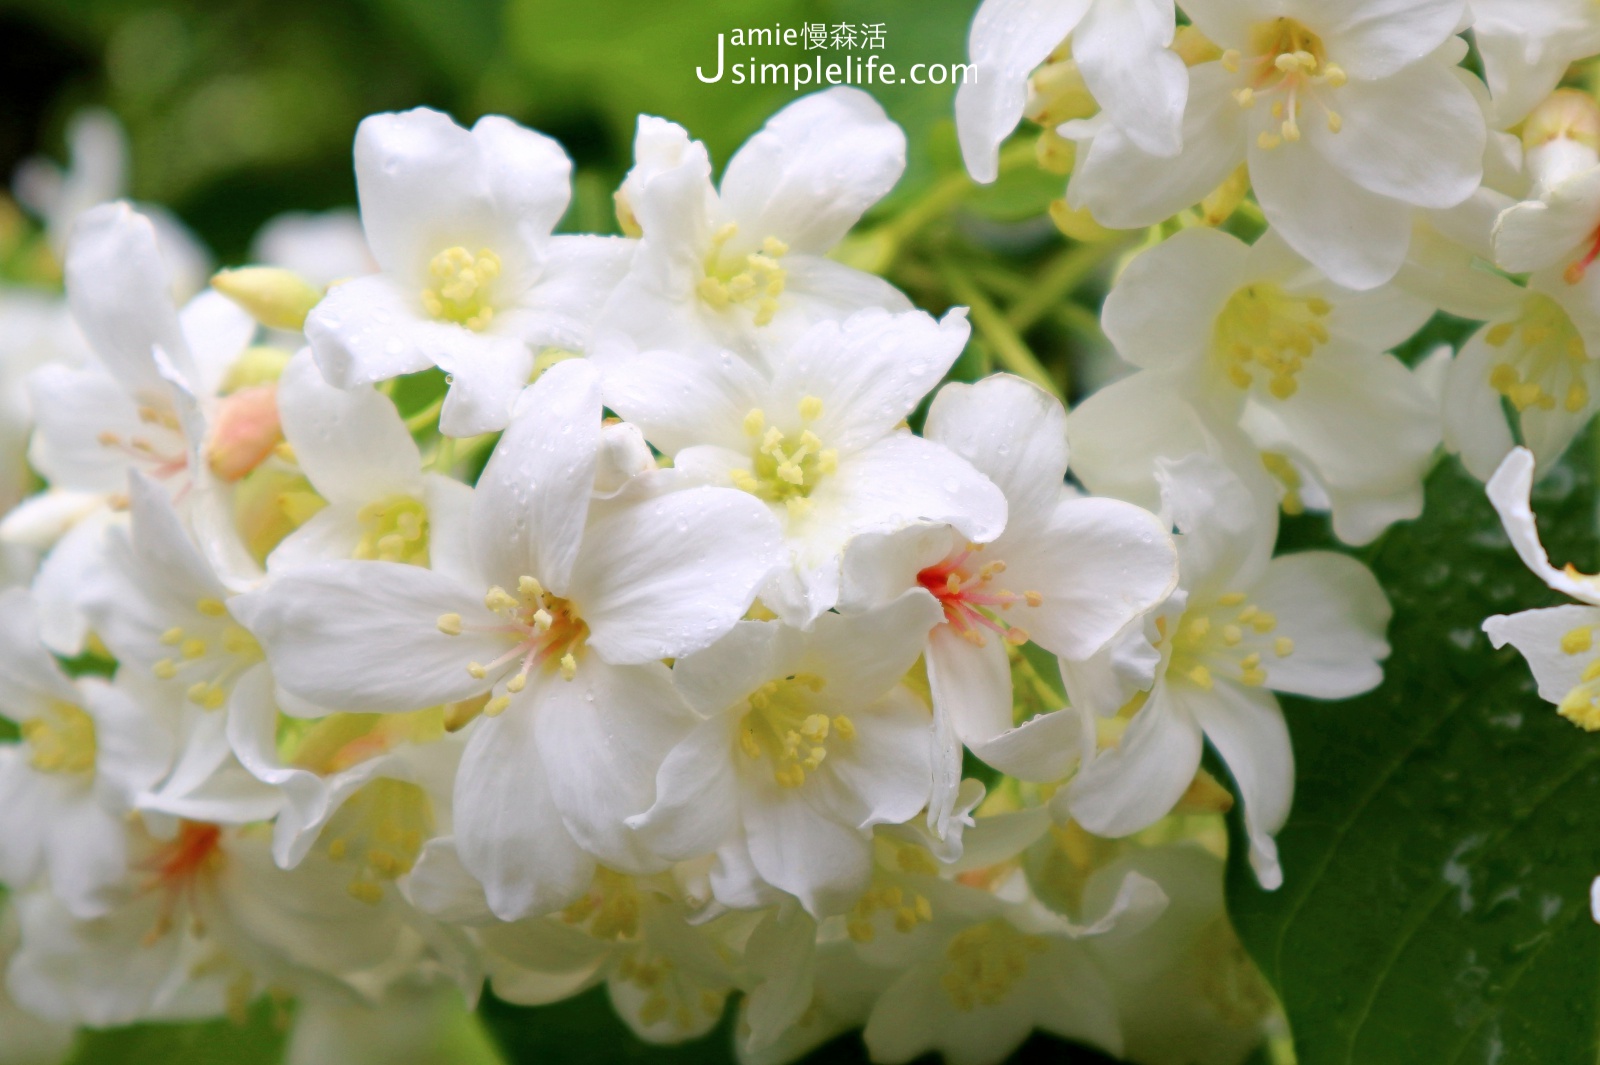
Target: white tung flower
(472, 281)
(559, 625)
(354, 449)
(1121, 48)
(1527, 46)
(1283, 369)
(1559, 225)
(1068, 573)
(1537, 355)
(158, 397)
(667, 970)
(88, 751)
(821, 440)
(1346, 115)
(1558, 642)
(808, 741)
(204, 922)
(735, 267)
(990, 967)
(1242, 626)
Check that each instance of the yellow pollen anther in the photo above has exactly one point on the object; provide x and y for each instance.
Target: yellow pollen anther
(211, 608)
(461, 284)
(786, 465)
(569, 666)
(1230, 60)
(755, 279)
(61, 740)
(450, 624)
(477, 670)
(1232, 634)
(1231, 599)
(1201, 676)
(172, 637)
(1544, 358)
(1265, 333)
(517, 683)
(985, 962)
(499, 600)
(529, 587)
(165, 669)
(1578, 640)
(1283, 647)
(496, 706)
(193, 648)
(1032, 598)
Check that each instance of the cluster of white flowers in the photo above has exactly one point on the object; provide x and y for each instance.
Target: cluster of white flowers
(650, 646)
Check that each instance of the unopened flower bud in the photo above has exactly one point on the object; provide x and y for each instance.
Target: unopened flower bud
(277, 298)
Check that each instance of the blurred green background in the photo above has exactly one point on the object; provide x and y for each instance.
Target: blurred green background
(237, 110)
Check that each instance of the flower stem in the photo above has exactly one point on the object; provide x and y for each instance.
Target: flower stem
(1005, 342)
(426, 418)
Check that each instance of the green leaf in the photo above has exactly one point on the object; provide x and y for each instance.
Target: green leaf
(1438, 860)
(259, 1041)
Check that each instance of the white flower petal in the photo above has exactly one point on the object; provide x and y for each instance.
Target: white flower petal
(1331, 606)
(1509, 490)
(1428, 152)
(1122, 51)
(1133, 785)
(529, 509)
(1008, 39)
(426, 184)
(1474, 419)
(1537, 635)
(1163, 309)
(350, 351)
(1376, 38)
(814, 169)
(1097, 564)
(365, 635)
(1357, 237)
(680, 402)
(870, 371)
(602, 737)
(1014, 433)
(120, 292)
(350, 443)
(822, 863)
(663, 577)
(509, 834)
(971, 684)
(1125, 188)
(1043, 748)
(696, 806)
(487, 373)
(1247, 729)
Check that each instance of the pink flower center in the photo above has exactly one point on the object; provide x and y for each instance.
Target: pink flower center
(971, 599)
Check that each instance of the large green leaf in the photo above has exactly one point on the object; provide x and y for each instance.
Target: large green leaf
(1447, 826)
